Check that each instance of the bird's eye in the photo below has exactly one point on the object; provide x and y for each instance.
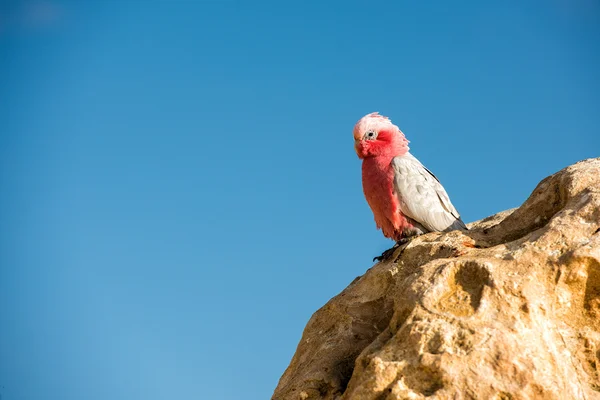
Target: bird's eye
(370, 135)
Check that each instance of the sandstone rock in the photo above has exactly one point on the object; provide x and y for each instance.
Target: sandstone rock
(508, 310)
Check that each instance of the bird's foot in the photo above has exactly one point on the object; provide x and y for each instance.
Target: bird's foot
(386, 253)
(389, 252)
(405, 240)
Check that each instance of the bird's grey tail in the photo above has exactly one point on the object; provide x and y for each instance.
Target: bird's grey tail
(459, 225)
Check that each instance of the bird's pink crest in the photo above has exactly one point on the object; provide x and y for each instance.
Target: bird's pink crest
(373, 121)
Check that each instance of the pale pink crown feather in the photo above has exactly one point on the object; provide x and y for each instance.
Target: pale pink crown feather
(374, 121)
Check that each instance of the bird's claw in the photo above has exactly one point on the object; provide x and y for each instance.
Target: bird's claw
(386, 254)
(389, 252)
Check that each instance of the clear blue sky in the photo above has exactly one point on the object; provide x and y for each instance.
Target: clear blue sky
(178, 186)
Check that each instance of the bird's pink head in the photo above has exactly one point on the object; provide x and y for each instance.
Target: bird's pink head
(375, 135)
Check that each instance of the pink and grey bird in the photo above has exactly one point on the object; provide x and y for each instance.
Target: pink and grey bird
(406, 198)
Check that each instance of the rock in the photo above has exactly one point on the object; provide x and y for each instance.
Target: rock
(507, 310)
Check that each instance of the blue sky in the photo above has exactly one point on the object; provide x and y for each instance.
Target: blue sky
(178, 186)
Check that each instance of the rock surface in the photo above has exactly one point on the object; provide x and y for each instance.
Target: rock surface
(507, 310)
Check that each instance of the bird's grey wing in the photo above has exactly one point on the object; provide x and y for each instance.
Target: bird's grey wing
(422, 197)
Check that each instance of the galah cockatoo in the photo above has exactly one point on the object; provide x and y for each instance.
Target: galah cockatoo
(407, 200)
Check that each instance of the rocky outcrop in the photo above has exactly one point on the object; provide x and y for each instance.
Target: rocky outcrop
(507, 310)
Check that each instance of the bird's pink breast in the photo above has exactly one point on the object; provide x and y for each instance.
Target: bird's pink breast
(378, 186)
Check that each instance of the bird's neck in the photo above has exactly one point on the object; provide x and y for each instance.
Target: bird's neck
(384, 158)
(377, 163)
